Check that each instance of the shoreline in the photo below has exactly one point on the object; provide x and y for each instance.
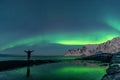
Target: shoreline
(13, 64)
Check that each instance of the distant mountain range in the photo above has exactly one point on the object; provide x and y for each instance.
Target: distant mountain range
(111, 46)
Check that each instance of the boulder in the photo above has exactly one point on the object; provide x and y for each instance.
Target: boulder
(112, 73)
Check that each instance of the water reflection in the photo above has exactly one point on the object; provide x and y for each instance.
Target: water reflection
(28, 72)
(28, 69)
(70, 69)
(88, 63)
(66, 70)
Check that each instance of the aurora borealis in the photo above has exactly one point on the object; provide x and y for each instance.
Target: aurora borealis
(50, 27)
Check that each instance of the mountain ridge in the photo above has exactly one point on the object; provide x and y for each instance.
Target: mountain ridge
(110, 46)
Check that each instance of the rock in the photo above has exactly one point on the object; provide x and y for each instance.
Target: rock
(112, 77)
(113, 72)
(115, 68)
(104, 57)
(116, 58)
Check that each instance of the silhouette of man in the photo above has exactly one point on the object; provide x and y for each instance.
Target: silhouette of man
(28, 53)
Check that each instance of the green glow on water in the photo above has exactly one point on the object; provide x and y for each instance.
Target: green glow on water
(82, 73)
(62, 71)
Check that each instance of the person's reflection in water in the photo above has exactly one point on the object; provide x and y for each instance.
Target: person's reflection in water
(28, 72)
(28, 69)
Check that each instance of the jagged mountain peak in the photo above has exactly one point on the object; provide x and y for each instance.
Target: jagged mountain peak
(110, 46)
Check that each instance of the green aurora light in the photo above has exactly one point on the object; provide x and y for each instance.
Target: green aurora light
(113, 22)
(64, 39)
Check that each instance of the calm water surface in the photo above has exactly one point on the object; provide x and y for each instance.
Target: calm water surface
(66, 70)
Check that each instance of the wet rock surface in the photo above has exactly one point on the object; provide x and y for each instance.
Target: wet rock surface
(112, 73)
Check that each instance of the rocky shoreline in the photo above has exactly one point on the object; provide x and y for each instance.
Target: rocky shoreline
(112, 73)
(104, 57)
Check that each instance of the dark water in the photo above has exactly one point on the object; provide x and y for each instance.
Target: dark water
(39, 58)
(66, 70)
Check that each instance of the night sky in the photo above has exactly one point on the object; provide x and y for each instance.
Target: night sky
(50, 27)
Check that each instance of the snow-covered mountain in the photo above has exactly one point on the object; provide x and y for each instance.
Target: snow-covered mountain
(111, 46)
